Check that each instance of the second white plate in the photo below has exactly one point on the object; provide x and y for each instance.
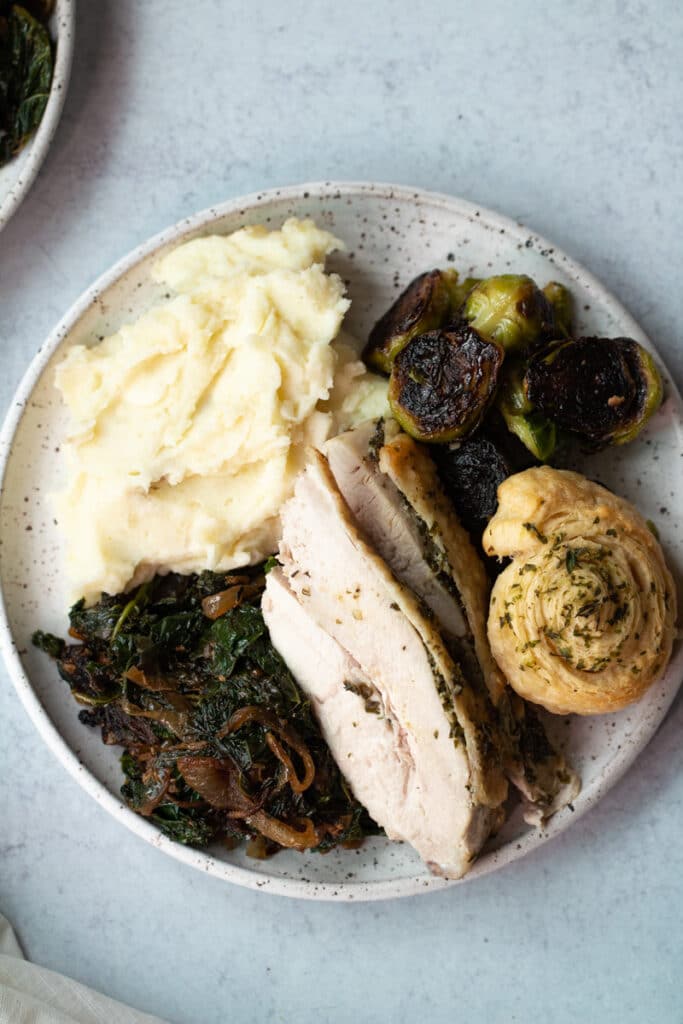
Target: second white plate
(17, 176)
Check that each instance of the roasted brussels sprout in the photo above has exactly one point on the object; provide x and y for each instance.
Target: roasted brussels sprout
(536, 431)
(443, 382)
(459, 293)
(423, 306)
(511, 310)
(604, 389)
(562, 303)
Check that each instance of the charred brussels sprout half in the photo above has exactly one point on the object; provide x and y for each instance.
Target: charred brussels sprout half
(423, 306)
(511, 310)
(459, 293)
(443, 382)
(604, 389)
(536, 431)
(562, 303)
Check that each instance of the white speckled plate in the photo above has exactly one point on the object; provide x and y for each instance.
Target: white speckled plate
(18, 175)
(391, 234)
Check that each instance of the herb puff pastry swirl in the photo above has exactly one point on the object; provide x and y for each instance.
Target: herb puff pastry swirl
(583, 618)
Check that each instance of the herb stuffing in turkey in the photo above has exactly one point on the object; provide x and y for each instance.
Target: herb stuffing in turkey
(220, 743)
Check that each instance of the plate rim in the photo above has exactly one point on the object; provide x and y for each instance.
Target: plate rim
(258, 880)
(65, 14)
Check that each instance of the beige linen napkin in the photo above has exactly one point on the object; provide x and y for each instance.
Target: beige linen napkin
(34, 995)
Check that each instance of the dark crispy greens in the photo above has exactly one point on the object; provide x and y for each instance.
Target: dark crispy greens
(471, 472)
(25, 74)
(217, 734)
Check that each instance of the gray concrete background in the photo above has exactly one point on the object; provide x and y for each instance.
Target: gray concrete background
(565, 116)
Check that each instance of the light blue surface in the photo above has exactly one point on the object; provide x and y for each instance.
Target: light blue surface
(564, 118)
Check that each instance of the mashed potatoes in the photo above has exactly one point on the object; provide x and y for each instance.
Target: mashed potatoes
(189, 426)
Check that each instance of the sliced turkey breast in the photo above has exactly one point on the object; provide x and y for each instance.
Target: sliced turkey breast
(392, 487)
(368, 742)
(383, 514)
(454, 790)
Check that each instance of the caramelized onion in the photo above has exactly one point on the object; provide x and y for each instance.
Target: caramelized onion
(217, 782)
(283, 833)
(176, 721)
(151, 804)
(243, 715)
(148, 682)
(224, 601)
(257, 848)
(254, 713)
(297, 784)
